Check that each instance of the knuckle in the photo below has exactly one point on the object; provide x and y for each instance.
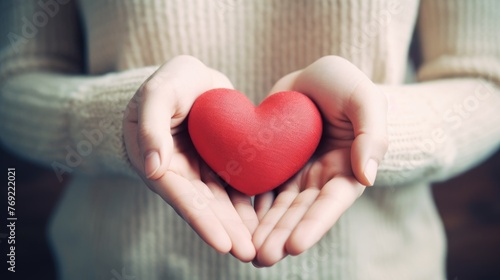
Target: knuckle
(219, 79)
(383, 143)
(187, 59)
(145, 134)
(332, 60)
(151, 85)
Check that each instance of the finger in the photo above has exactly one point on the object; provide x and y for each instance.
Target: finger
(334, 82)
(243, 205)
(262, 203)
(131, 144)
(220, 80)
(130, 134)
(368, 113)
(241, 239)
(273, 249)
(195, 209)
(285, 83)
(367, 153)
(334, 199)
(164, 101)
(278, 209)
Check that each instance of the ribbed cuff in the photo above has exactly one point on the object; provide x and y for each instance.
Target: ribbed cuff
(439, 129)
(96, 120)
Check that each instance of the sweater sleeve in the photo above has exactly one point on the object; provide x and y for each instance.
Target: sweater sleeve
(50, 112)
(449, 121)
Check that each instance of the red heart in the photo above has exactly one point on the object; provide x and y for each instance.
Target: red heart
(254, 149)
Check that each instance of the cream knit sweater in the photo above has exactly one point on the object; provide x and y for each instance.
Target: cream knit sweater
(68, 69)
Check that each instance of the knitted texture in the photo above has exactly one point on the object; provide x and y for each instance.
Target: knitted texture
(254, 149)
(67, 71)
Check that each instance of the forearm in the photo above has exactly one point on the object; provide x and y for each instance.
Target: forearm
(70, 123)
(439, 129)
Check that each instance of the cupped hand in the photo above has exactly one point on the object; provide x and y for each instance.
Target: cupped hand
(296, 215)
(160, 150)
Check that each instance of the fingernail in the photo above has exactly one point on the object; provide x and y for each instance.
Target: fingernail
(151, 164)
(371, 171)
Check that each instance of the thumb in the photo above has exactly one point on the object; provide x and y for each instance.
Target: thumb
(367, 111)
(165, 101)
(342, 90)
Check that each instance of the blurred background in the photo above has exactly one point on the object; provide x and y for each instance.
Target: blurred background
(469, 206)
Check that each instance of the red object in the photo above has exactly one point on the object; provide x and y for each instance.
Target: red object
(254, 149)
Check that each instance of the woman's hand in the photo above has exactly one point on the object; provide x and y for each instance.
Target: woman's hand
(160, 150)
(297, 214)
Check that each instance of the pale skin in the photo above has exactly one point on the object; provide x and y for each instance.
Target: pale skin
(300, 212)
(296, 215)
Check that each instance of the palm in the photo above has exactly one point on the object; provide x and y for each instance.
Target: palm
(297, 214)
(303, 209)
(332, 158)
(159, 148)
(185, 161)
(192, 190)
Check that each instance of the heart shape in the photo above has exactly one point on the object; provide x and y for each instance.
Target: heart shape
(254, 149)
